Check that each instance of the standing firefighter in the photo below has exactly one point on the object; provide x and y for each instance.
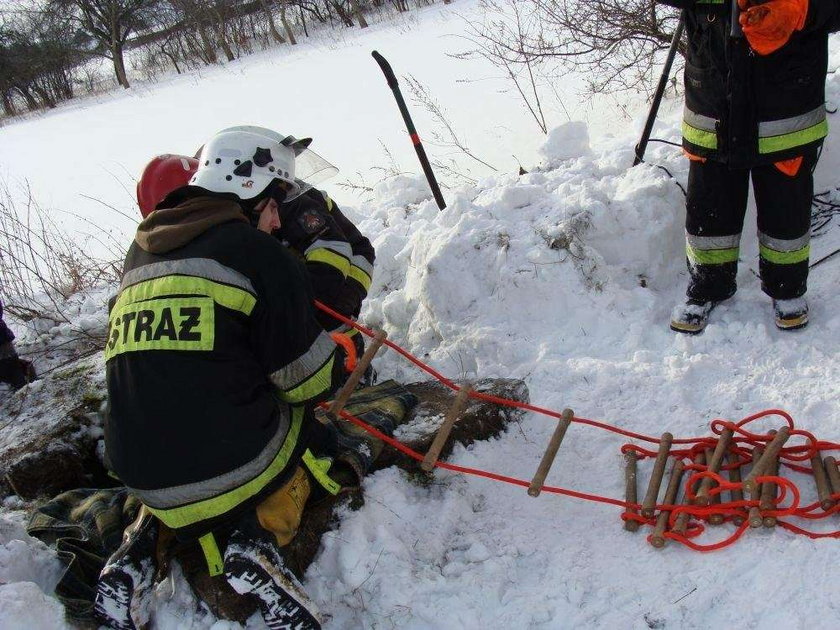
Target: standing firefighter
(754, 106)
(214, 361)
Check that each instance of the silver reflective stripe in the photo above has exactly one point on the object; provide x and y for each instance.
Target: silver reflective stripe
(362, 263)
(339, 247)
(713, 242)
(199, 267)
(305, 366)
(784, 245)
(789, 125)
(175, 496)
(699, 121)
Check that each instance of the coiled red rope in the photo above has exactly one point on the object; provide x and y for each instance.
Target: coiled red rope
(741, 444)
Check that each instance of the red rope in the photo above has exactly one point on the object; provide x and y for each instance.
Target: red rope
(742, 438)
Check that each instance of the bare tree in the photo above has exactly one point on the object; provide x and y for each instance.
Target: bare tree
(37, 61)
(616, 43)
(108, 25)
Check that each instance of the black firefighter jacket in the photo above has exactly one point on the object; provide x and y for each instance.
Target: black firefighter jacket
(338, 258)
(213, 358)
(746, 109)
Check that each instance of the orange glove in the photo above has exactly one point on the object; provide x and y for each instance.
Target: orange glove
(769, 26)
(349, 349)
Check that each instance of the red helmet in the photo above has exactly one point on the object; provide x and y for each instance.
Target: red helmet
(163, 175)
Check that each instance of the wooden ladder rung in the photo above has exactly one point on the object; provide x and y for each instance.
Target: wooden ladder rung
(455, 411)
(349, 386)
(550, 453)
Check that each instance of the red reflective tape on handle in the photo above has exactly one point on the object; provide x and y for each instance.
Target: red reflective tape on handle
(415, 138)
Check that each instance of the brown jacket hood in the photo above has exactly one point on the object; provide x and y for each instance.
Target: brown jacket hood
(165, 230)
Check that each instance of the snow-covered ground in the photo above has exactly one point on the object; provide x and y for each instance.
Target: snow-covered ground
(563, 277)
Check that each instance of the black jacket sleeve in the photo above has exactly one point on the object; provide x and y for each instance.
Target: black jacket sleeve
(296, 353)
(823, 15)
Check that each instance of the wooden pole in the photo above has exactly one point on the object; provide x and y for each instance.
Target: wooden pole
(821, 479)
(771, 452)
(649, 503)
(833, 474)
(550, 453)
(630, 493)
(455, 411)
(713, 465)
(768, 496)
(657, 539)
(714, 519)
(356, 375)
(681, 522)
(754, 516)
(735, 477)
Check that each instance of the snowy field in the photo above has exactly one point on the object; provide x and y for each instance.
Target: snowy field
(563, 277)
(85, 157)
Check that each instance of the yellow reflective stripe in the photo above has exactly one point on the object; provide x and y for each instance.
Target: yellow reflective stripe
(162, 324)
(329, 201)
(319, 468)
(225, 295)
(215, 564)
(711, 256)
(312, 386)
(186, 515)
(793, 139)
(360, 276)
(784, 258)
(323, 255)
(706, 139)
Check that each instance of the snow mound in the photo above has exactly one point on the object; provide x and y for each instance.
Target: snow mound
(565, 142)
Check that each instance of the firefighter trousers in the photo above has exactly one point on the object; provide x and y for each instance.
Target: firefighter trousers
(716, 203)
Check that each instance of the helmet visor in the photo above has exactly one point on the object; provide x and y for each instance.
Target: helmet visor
(310, 170)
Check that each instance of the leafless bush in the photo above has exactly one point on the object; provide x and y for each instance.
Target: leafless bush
(40, 265)
(617, 44)
(444, 134)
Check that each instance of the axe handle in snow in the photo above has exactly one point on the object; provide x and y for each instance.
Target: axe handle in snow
(412, 132)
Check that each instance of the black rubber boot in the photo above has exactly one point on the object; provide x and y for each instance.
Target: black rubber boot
(253, 565)
(124, 589)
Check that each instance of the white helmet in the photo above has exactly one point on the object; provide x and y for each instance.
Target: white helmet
(244, 161)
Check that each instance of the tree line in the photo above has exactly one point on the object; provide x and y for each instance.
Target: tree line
(46, 47)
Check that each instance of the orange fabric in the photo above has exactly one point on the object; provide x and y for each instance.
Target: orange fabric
(693, 158)
(769, 26)
(349, 348)
(789, 167)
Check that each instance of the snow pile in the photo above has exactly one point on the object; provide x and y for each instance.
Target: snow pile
(565, 277)
(522, 255)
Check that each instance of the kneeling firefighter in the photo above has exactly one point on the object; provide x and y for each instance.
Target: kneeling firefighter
(214, 361)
